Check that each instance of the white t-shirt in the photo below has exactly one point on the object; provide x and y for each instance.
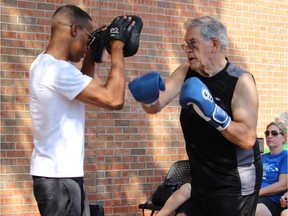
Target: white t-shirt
(58, 118)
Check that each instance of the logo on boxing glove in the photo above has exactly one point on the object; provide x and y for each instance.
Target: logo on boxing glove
(206, 95)
(114, 30)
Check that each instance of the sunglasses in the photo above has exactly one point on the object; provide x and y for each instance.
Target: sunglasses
(273, 133)
(91, 37)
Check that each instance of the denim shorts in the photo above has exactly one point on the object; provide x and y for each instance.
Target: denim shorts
(60, 196)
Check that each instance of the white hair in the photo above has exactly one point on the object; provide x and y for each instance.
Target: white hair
(210, 28)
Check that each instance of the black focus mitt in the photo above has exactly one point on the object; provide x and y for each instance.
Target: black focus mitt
(121, 29)
(99, 43)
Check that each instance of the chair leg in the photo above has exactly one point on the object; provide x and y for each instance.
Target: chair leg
(152, 213)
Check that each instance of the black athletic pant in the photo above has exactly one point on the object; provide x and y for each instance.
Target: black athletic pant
(60, 196)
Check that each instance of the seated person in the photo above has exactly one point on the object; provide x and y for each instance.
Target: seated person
(274, 181)
(284, 204)
(283, 117)
(175, 200)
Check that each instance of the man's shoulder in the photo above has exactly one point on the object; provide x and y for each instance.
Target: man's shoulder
(235, 70)
(57, 66)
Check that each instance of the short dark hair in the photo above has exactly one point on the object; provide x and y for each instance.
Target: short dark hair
(72, 14)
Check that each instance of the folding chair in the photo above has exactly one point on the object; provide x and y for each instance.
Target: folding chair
(179, 171)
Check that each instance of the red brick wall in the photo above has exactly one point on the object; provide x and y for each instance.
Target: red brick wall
(128, 151)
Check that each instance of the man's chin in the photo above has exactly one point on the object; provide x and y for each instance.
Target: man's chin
(193, 66)
(75, 60)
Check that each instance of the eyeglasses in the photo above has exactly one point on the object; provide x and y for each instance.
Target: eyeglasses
(274, 133)
(189, 46)
(91, 37)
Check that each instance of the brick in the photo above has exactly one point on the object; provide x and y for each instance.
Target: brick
(129, 152)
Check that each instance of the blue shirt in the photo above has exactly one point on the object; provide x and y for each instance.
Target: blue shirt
(273, 166)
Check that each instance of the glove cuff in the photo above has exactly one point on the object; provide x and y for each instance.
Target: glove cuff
(220, 118)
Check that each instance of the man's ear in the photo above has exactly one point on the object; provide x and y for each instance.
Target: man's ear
(73, 30)
(215, 45)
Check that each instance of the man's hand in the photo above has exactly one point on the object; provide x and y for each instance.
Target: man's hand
(120, 29)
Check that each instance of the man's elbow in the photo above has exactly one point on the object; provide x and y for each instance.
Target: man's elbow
(248, 144)
(111, 103)
(117, 106)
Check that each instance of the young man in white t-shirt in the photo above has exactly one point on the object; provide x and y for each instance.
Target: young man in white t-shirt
(58, 91)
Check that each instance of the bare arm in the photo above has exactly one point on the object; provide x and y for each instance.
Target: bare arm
(242, 130)
(111, 94)
(173, 87)
(176, 200)
(275, 188)
(88, 66)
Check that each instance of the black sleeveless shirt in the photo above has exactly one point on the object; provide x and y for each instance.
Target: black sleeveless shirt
(218, 166)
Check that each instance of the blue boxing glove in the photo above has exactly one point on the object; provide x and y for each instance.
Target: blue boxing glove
(145, 88)
(195, 93)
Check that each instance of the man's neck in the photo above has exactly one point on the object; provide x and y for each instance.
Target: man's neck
(58, 49)
(214, 67)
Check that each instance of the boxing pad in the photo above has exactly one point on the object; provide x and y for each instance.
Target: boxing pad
(99, 43)
(196, 94)
(145, 88)
(131, 33)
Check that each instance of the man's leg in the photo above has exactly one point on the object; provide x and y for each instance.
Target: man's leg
(57, 197)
